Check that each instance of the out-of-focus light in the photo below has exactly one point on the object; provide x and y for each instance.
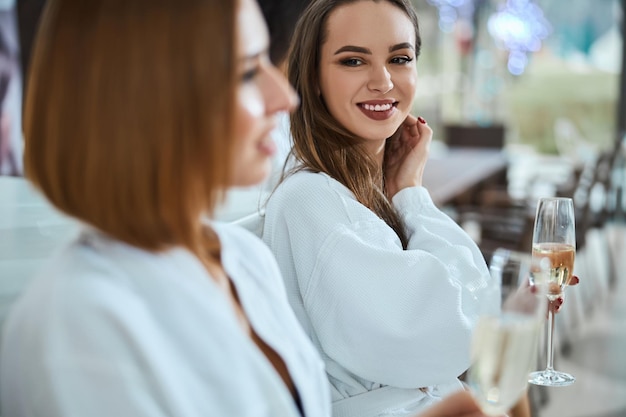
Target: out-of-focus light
(485, 59)
(517, 62)
(451, 10)
(456, 3)
(446, 26)
(447, 18)
(448, 13)
(518, 26)
(453, 3)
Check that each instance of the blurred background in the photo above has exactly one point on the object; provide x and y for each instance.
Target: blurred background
(544, 83)
(526, 98)
(544, 74)
(546, 70)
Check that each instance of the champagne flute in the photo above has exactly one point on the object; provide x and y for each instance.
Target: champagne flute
(554, 242)
(505, 339)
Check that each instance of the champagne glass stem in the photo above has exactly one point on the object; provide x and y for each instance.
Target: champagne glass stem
(554, 239)
(550, 366)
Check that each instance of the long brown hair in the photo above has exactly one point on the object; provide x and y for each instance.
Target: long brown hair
(129, 107)
(322, 144)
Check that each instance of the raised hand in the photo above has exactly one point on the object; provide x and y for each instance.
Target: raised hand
(555, 305)
(406, 155)
(459, 404)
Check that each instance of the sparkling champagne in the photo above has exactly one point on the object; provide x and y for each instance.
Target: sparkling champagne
(503, 354)
(561, 258)
(554, 244)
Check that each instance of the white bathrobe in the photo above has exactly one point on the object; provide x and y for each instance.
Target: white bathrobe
(110, 330)
(387, 321)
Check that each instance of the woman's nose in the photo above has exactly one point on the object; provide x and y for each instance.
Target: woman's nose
(279, 95)
(380, 80)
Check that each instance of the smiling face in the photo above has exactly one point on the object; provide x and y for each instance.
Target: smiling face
(262, 92)
(367, 68)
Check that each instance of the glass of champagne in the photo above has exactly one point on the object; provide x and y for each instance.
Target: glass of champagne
(554, 243)
(505, 339)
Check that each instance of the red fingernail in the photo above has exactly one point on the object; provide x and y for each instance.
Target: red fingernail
(575, 279)
(421, 120)
(560, 300)
(533, 289)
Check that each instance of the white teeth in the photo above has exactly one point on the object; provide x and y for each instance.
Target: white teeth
(377, 107)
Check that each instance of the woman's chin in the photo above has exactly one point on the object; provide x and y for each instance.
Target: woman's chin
(250, 178)
(379, 134)
(379, 131)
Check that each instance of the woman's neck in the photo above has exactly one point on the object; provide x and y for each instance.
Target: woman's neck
(377, 150)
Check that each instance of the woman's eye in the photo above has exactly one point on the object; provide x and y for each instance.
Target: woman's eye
(352, 62)
(401, 60)
(249, 74)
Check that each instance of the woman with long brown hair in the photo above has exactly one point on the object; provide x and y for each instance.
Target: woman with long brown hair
(385, 284)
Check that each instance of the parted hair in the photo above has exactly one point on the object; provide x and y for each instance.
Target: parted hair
(320, 142)
(128, 114)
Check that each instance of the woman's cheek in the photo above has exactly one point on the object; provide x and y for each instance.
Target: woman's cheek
(250, 109)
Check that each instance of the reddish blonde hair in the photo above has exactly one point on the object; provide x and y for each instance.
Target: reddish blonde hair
(128, 114)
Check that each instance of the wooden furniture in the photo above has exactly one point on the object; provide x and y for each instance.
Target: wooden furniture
(470, 136)
(458, 175)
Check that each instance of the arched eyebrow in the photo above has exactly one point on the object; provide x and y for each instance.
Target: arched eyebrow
(352, 48)
(403, 45)
(362, 50)
(254, 56)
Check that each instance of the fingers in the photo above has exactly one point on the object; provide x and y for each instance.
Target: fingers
(556, 305)
(406, 155)
(527, 283)
(415, 128)
(405, 132)
(425, 132)
(409, 129)
(410, 120)
(455, 405)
